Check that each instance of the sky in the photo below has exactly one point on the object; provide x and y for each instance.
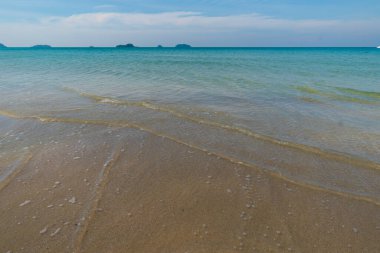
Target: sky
(235, 23)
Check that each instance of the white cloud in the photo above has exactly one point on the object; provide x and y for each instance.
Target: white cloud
(148, 29)
(105, 7)
(184, 19)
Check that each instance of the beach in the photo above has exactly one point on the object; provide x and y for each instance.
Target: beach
(189, 150)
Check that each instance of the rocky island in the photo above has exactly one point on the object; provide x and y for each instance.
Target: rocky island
(129, 45)
(41, 46)
(183, 46)
(2, 46)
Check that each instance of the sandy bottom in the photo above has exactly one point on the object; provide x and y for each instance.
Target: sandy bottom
(82, 188)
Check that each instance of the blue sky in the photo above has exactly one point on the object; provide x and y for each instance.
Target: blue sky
(199, 22)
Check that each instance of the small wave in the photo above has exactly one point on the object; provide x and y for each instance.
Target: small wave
(311, 100)
(13, 170)
(108, 101)
(307, 89)
(369, 94)
(342, 97)
(309, 149)
(89, 213)
(209, 152)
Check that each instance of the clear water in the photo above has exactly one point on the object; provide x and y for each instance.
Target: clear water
(321, 97)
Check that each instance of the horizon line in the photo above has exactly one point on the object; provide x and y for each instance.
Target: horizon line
(136, 47)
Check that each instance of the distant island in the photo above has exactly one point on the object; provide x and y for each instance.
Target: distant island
(41, 46)
(183, 46)
(129, 45)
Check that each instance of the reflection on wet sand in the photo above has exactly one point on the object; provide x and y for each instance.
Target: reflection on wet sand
(300, 164)
(119, 188)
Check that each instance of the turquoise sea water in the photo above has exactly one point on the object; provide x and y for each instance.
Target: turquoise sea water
(324, 98)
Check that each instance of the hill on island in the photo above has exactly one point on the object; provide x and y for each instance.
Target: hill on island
(129, 45)
(41, 46)
(2, 46)
(183, 46)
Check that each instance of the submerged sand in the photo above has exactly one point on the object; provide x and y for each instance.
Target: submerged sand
(70, 187)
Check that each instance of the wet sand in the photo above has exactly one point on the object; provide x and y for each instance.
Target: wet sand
(70, 187)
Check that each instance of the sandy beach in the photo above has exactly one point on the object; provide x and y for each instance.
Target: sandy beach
(96, 188)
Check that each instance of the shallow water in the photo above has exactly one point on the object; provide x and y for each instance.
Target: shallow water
(198, 150)
(326, 98)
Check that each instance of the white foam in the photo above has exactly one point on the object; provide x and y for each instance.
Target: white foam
(72, 200)
(55, 232)
(25, 202)
(108, 100)
(44, 230)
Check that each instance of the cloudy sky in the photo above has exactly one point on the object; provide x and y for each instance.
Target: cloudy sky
(198, 22)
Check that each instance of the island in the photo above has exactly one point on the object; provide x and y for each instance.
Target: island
(2, 46)
(160, 46)
(129, 45)
(183, 46)
(41, 46)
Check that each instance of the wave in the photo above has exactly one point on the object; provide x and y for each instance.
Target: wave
(369, 94)
(13, 170)
(202, 149)
(309, 149)
(311, 100)
(366, 96)
(90, 211)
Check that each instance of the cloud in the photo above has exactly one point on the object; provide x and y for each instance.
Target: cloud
(184, 19)
(148, 29)
(105, 7)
